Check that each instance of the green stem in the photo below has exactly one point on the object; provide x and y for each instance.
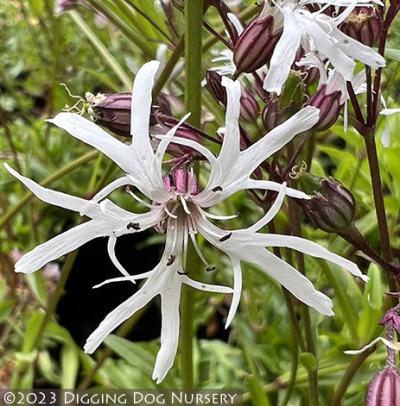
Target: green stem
(101, 49)
(48, 181)
(193, 56)
(193, 24)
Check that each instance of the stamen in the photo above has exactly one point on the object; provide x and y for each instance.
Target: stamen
(197, 249)
(216, 189)
(171, 259)
(183, 273)
(169, 213)
(225, 237)
(218, 217)
(138, 199)
(135, 226)
(211, 268)
(185, 207)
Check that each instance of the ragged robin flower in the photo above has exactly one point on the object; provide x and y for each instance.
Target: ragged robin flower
(178, 205)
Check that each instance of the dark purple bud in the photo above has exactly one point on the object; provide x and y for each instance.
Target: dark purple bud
(114, 112)
(255, 45)
(332, 207)
(273, 115)
(214, 86)
(182, 181)
(249, 108)
(329, 106)
(270, 116)
(384, 389)
(364, 25)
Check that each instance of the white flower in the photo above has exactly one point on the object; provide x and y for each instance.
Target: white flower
(317, 31)
(177, 205)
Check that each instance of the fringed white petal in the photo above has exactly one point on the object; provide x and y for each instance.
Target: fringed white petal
(284, 53)
(90, 133)
(309, 248)
(272, 212)
(143, 275)
(54, 197)
(119, 315)
(237, 290)
(169, 333)
(272, 142)
(141, 108)
(112, 240)
(206, 287)
(276, 187)
(62, 244)
(321, 35)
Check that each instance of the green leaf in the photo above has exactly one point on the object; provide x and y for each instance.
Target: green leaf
(374, 289)
(392, 54)
(32, 330)
(69, 366)
(38, 285)
(258, 396)
(48, 368)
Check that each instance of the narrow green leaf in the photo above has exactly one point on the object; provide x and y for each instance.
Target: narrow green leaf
(258, 396)
(69, 366)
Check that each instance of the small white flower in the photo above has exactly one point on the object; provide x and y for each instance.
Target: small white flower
(317, 31)
(181, 210)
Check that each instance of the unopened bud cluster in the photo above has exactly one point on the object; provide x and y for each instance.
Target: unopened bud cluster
(255, 45)
(329, 106)
(364, 25)
(331, 207)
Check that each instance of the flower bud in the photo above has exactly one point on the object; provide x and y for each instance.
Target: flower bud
(214, 86)
(384, 389)
(255, 45)
(364, 25)
(332, 206)
(113, 111)
(329, 106)
(182, 180)
(249, 108)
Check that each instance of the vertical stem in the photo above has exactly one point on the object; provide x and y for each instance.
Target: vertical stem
(193, 50)
(378, 195)
(193, 53)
